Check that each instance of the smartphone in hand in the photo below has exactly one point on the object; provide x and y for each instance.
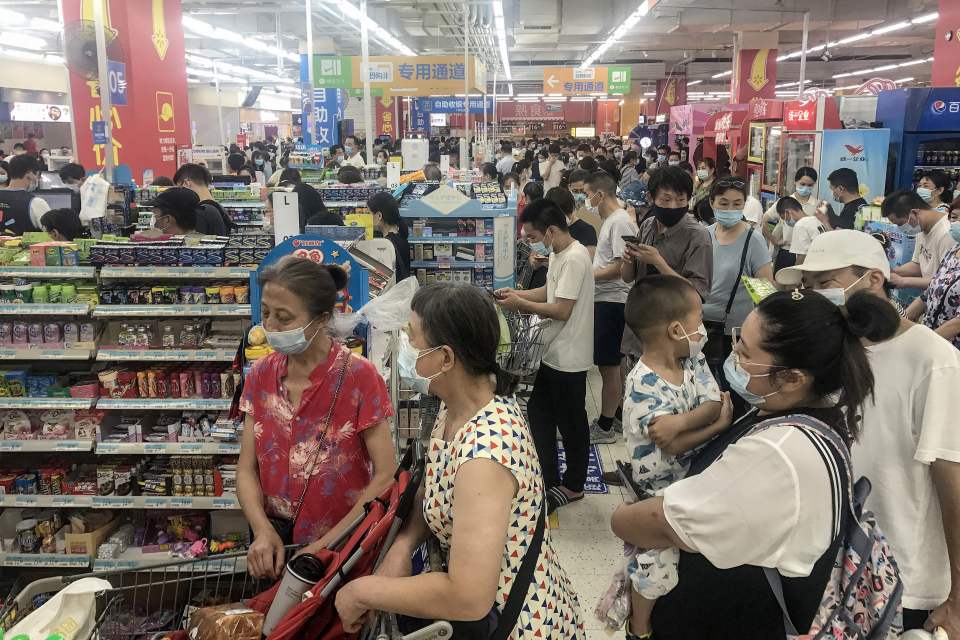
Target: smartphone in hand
(631, 239)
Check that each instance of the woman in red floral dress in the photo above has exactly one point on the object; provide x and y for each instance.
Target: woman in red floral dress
(299, 476)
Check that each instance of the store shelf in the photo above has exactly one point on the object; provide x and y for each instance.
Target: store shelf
(46, 403)
(164, 310)
(34, 446)
(451, 264)
(37, 560)
(166, 355)
(451, 240)
(227, 204)
(936, 166)
(57, 273)
(188, 404)
(29, 309)
(344, 203)
(135, 558)
(227, 502)
(45, 354)
(154, 273)
(167, 448)
(249, 223)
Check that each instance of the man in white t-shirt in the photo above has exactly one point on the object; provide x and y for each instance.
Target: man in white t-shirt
(558, 400)
(351, 150)
(609, 301)
(909, 447)
(551, 169)
(505, 162)
(803, 228)
(933, 242)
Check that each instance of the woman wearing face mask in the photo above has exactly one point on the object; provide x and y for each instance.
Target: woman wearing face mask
(941, 298)
(487, 508)
(386, 218)
(382, 157)
(628, 172)
(934, 188)
(762, 498)
(316, 441)
(4, 178)
(45, 158)
(737, 251)
(703, 181)
(776, 231)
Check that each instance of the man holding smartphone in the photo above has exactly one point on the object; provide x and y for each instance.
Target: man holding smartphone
(609, 300)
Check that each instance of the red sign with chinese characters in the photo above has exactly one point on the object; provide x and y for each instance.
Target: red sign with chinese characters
(756, 75)
(671, 92)
(946, 51)
(800, 116)
(155, 119)
(608, 116)
(386, 116)
(763, 109)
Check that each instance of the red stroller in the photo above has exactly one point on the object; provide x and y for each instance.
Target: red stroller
(356, 553)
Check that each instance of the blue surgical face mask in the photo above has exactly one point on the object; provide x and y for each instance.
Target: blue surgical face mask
(926, 194)
(703, 174)
(739, 379)
(661, 158)
(541, 249)
(348, 150)
(290, 342)
(407, 365)
(804, 190)
(580, 198)
(728, 217)
(909, 229)
(790, 222)
(955, 231)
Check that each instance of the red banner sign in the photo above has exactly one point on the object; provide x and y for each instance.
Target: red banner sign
(946, 51)
(576, 112)
(155, 119)
(386, 116)
(800, 116)
(762, 109)
(756, 75)
(671, 92)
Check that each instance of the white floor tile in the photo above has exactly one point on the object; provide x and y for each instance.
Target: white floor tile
(592, 513)
(597, 634)
(586, 552)
(589, 588)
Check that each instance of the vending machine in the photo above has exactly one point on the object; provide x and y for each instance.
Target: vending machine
(924, 133)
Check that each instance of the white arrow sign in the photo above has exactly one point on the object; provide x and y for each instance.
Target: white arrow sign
(552, 81)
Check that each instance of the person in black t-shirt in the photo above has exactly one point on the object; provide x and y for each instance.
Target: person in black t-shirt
(845, 186)
(582, 232)
(211, 217)
(386, 217)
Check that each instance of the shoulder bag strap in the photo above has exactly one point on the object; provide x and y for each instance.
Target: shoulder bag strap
(345, 356)
(736, 283)
(521, 584)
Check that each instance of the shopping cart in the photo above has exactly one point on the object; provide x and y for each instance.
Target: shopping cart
(522, 355)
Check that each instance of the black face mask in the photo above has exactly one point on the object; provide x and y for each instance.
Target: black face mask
(668, 216)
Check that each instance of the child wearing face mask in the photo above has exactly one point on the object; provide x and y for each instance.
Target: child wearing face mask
(671, 407)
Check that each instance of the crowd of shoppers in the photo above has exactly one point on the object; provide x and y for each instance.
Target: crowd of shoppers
(714, 394)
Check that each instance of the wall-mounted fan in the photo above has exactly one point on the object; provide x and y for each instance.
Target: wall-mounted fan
(80, 47)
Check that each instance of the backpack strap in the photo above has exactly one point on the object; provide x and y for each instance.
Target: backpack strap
(521, 583)
(834, 453)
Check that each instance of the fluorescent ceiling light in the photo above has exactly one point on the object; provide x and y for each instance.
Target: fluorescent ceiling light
(902, 80)
(529, 95)
(501, 37)
(12, 18)
(30, 56)
(374, 29)
(554, 99)
(254, 74)
(863, 35)
(650, 94)
(208, 30)
(723, 74)
(618, 33)
(690, 84)
(22, 40)
(885, 67)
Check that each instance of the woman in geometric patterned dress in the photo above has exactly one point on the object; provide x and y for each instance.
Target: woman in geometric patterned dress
(483, 488)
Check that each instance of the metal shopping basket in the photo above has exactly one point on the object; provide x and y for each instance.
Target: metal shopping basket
(524, 270)
(522, 355)
(148, 602)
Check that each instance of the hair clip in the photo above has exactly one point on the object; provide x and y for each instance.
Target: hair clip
(796, 295)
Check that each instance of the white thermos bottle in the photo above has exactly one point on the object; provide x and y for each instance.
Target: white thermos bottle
(300, 575)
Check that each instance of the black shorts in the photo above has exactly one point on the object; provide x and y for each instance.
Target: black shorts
(608, 323)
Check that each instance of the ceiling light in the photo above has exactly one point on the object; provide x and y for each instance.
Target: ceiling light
(204, 29)
(208, 63)
(618, 33)
(501, 37)
(22, 40)
(30, 56)
(690, 84)
(375, 30)
(889, 28)
(930, 17)
(650, 94)
(12, 18)
(723, 74)
(897, 26)
(902, 80)
(885, 67)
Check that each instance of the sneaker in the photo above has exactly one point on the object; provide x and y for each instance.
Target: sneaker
(618, 425)
(602, 436)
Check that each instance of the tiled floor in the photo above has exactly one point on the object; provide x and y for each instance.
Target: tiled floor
(581, 533)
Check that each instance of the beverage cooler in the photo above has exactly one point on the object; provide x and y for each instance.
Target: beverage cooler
(924, 133)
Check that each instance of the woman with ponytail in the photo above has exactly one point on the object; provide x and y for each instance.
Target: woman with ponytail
(483, 496)
(760, 495)
(316, 442)
(386, 218)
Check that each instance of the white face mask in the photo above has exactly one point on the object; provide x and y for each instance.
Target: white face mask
(290, 342)
(407, 365)
(837, 295)
(594, 209)
(696, 346)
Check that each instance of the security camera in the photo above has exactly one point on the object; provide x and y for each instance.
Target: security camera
(826, 56)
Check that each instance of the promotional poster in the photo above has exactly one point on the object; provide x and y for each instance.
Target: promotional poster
(864, 151)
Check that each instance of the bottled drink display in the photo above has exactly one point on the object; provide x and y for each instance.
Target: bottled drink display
(938, 158)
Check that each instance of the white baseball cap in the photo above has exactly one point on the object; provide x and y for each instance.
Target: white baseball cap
(837, 250)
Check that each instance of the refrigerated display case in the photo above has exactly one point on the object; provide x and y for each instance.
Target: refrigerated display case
(924, 133)
(772, 159)
(797, 149)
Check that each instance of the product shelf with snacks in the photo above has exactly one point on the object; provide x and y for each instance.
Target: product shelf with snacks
(136, 558)
(31, 309)
(165, 310)
(45, 446)
(120, 502)
(167, 448)
(166, 355)
(455, 237)
(173, 273)
(45, 560)
(48, 273)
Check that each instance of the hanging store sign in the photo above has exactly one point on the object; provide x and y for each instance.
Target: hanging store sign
(756, 75)
(400, 75)
(39, 112)
(453, 105)
(573, 81)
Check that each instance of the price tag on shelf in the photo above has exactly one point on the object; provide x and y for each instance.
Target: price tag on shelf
(155, 502)
(154, 447)
(224, 503)
(178, 502)
(10, 445)
(63, 501)
(108, 447)
(26, 501)
(71, 445)
(191, 447)
(116, 502)
(228, 448)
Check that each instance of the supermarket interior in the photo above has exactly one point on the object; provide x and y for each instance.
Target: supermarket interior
(165, 163)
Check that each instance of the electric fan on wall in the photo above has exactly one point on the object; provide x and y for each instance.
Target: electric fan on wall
(80, 47)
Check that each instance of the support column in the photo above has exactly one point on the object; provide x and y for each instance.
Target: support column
(946, 50)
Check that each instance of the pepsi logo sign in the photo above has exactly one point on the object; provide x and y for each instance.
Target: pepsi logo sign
(938, 106)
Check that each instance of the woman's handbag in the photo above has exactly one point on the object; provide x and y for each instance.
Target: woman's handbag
(719, 345)
(283, 526)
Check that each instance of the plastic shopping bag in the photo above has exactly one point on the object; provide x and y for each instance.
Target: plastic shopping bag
(93, 198)
(389, 312)
(72, 613)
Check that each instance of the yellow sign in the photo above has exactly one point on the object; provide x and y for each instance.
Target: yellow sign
(402, 75)
(166, 122)
(159, 37)
(573, 81)
(758, 70)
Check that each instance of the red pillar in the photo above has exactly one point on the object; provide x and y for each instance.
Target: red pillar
(946, 51)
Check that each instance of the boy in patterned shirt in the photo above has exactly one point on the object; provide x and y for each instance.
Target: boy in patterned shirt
(671, 407)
